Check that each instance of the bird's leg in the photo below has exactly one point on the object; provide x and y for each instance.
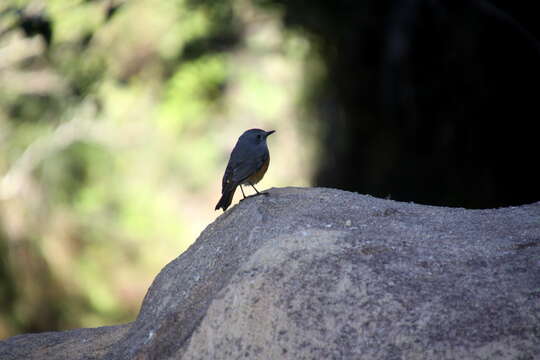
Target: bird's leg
(257, 191)
(254, 188)
(241, 188)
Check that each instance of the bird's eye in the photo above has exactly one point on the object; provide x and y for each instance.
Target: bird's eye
(259, 137)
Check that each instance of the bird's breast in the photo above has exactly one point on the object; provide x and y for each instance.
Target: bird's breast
(259, 174)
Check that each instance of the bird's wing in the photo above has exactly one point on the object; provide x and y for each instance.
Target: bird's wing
(241, 168)
(246, 168)
(227, 177)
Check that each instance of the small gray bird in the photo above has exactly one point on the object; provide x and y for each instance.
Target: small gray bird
(247, 165)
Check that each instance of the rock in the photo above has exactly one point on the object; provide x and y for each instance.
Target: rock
(72, 344)
(327, 274)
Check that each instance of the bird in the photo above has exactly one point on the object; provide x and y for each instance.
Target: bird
(247, 165)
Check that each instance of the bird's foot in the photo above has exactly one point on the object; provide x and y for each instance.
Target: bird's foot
(253, 195)
(260, 193)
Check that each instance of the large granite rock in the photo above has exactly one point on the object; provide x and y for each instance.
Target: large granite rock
(327, 274)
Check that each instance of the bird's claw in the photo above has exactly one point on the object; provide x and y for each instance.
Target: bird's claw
(249, 196)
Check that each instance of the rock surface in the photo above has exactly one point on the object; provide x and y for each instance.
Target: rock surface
(327, 274)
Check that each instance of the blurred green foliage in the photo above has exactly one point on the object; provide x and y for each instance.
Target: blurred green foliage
(116, 120)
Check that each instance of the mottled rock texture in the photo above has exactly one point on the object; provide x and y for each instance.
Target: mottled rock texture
(326, 274)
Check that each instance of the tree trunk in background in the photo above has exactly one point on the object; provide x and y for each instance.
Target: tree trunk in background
(427, 101)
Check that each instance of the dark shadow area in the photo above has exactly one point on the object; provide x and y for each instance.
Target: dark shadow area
(427, 101)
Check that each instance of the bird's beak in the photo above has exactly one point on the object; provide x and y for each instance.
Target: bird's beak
(270, 132)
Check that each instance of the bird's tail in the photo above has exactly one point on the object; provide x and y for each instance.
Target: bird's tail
(226, 197)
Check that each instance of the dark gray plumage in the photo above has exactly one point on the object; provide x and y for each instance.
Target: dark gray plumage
(247, 164)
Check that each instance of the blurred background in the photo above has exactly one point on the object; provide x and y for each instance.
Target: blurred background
(117, 119)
